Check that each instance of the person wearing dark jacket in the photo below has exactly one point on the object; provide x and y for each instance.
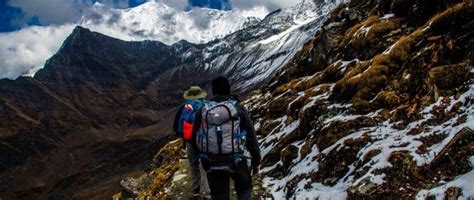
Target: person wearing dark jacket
(219, 180)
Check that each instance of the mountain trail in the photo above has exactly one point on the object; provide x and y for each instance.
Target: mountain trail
(170, 178)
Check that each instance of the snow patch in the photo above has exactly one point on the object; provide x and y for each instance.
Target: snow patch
(465, 182)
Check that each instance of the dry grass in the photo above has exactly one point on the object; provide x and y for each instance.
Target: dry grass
(365, 80)
(374, 34)
(447, 77)
(453, 17)
(388, 99)
(286, 87)
(403, 49)
(350, 33)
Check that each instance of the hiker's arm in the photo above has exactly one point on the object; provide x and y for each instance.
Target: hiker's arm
(252, 142)
(176, 119)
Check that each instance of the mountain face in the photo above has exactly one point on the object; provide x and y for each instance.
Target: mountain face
(214, 4)
(84, 111)
(251, 55)
(377, 104)
(148, 21)
(101, 107)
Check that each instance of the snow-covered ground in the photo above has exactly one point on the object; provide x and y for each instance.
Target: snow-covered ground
(386, 140)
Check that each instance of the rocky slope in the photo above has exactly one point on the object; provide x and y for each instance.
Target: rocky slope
(82, 118)
(377, 104)
(168, 178)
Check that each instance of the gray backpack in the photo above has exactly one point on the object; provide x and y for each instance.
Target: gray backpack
(220, 134)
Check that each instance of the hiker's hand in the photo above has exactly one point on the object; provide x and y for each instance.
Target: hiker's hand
(255, 171)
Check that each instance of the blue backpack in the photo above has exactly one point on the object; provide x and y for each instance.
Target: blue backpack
(186, 120)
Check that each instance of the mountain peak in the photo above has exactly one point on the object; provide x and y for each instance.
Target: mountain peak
(213, 4)
(76, 34)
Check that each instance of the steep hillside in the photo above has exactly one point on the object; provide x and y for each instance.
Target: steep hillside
(78, 126)
(83, 111)
(378, 104)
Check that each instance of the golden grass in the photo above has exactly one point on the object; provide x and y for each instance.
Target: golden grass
(365, 79)
(452, 17)
(374, 33)
(286, 87)
(353, 30)
(402, 50)
(388, 99)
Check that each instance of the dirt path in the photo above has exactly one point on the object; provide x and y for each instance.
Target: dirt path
(180, 187)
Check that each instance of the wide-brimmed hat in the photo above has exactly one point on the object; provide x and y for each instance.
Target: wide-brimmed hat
(195, 92)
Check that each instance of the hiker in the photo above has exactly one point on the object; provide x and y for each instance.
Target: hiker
(223, 131)
(183, 127)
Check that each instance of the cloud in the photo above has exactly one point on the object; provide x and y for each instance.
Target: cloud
(270, 4)
(57, 12)
(24, 51)
(179, 4)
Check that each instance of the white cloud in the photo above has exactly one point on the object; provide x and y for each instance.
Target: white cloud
(25, 51)
(68, 11)
(270, 4)
(180, 4)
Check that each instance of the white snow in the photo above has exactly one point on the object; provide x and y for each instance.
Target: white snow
(343, 67)
(388, 16)
(386, 140)
(465, 182)
(285, 33)
(157, 21)
(277, 133)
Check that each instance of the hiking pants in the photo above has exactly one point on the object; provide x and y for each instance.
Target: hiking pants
(198, 175)
(219, 182)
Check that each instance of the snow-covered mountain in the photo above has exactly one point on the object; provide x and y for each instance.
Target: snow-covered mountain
(32, 46)
(158, 21)
(251, 55)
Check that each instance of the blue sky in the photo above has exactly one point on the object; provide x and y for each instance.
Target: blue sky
(16, 14)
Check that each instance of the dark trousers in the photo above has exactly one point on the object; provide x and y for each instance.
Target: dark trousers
(219, 182)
